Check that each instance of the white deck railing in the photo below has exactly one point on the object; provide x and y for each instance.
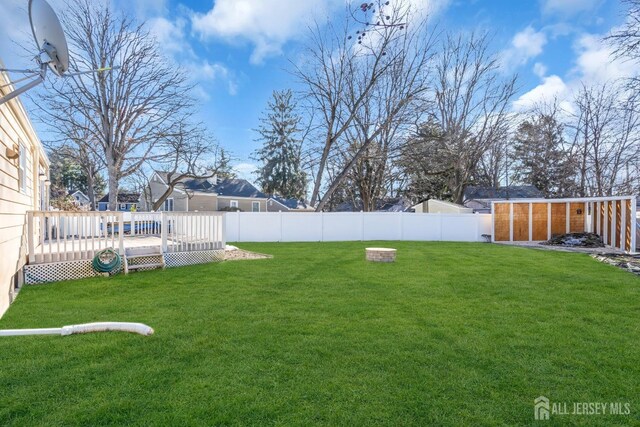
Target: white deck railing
(144, 223)
(192, 231)
(55, 236)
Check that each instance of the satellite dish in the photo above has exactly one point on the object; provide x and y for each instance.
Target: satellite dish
(49, 36)
(53, 52)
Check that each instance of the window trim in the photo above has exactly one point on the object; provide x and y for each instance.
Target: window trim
(166, 203)
(233, 204)
(253, 204)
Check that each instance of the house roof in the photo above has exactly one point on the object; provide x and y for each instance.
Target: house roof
(291, 203)
(122, 198)
(393, 204)
(388, 204)
(510, 192)
(78, 192)
(230, 187)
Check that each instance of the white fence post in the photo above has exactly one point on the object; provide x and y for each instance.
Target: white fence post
(163, 230)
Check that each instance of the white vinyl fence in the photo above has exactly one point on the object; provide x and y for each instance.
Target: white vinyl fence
(354, 226)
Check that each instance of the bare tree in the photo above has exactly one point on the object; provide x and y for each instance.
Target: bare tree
(626, 40)
(189, 153)
(369, 177)
(124, 113)
(606, 140)
(376, 105)
(471, 106)
(339, 74)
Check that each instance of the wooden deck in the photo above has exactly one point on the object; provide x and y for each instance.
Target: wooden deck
(73, 236)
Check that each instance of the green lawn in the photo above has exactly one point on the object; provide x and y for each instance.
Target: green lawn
(450, 334)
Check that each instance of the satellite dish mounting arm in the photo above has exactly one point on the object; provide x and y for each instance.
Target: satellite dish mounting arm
(33, 83)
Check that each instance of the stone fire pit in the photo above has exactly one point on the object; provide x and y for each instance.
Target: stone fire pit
(381, 254)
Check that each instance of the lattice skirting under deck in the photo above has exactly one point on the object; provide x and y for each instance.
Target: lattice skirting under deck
(177, 259)
(71, 270)
(58, 271)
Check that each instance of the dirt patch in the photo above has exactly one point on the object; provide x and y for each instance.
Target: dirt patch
(239, 255)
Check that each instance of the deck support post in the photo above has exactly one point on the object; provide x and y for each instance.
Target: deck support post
(163, 230)
(121, 232)
(31, 237)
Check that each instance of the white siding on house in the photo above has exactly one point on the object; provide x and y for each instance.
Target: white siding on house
(16, 198)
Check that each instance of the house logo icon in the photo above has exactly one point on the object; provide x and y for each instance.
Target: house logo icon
(541, 405)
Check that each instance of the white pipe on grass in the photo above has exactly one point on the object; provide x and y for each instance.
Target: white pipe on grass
(136, 328)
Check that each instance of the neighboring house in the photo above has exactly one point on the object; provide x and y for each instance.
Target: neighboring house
(205, 194)
(280, 204)
(24, 186)
(127, 202)
(80, 198)
(440, 206)
(479, 198)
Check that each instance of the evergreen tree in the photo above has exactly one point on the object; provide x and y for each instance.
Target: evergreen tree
(68, 175)
(280, 172)
(542, 158)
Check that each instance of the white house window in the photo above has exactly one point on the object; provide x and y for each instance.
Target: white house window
(255, 206)
(22, 169)
(234, 204)
(168, 204)
(123, 206)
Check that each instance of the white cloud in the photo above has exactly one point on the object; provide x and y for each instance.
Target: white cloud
(245, 171)
(539, 69)
(568, 8)
(206, 72)
(173, 40)
(551, 88)
(525, 45)
(595, 62)
(170, 35)
(269, 25)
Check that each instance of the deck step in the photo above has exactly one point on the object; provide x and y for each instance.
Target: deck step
(139, 266)
(148, 255)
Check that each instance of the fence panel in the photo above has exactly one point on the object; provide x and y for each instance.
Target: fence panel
(341, 226)
(382, 226)
(426, 227)
(298, 227)
(354, 226)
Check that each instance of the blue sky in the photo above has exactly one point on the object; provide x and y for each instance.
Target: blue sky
(237, 51)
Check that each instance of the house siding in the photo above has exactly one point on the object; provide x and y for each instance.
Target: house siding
(157, 189)
(203, 203)
(15, 129)
(243, 204)
(199, 201)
